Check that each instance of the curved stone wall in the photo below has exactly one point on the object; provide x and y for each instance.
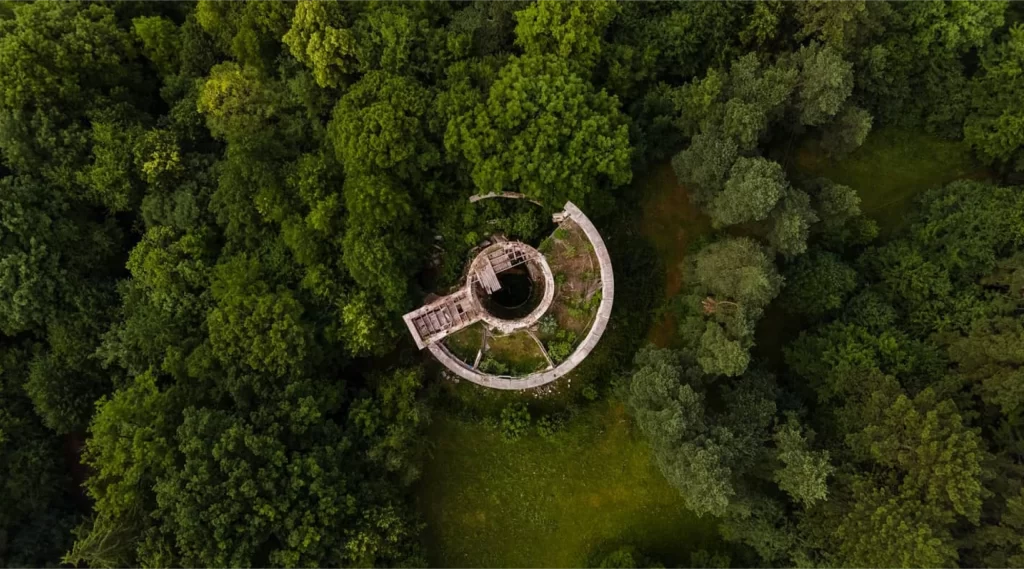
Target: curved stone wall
(604, 311)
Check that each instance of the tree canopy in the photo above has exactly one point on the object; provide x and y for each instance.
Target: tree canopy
(214, 214)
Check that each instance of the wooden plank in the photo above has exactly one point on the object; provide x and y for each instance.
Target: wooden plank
(488, 278)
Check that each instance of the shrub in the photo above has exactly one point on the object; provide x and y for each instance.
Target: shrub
(548, 426)
(548, 325)
(515, 421)
(561, 346)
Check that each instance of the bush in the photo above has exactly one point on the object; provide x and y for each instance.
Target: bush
(548, 426)
(515, 421)
(548, 325)
(561, 346)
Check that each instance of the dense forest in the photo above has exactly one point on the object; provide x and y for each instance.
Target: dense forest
(214, 214)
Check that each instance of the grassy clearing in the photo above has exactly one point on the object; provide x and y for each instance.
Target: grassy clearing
(551, 503)
(891, 169)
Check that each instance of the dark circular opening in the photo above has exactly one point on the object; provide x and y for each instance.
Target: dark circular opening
(516, 298)
(515, 289)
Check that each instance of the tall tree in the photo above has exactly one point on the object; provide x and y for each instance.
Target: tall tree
(545, 132)
(995, 124)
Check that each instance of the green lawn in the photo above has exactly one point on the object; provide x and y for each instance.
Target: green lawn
(540, 503)
(891, 168)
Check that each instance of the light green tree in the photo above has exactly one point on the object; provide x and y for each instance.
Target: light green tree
(570, 30)
(545, 132)
(995, 124)
(804, 472)
(321, 37)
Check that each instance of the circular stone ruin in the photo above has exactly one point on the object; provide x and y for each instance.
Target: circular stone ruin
(518, 295)
(554, 301)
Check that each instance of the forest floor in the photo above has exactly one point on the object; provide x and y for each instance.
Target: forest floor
(672, 224)
(555, 502)
(516, 353)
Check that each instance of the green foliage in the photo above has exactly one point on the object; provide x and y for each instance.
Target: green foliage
(846, 132)
(570, 30)
(161, 42)
(378, 246)
(804, 472)
(1001, 543)
(737, 269)
(260, 328)
(995, 126)
(912, 74)
(390, 417)
(59, 63)
(841, 26)
(703, 453)
(515, 421)
(548, 325)
(249, 31)
(887, 530)
(63, 382)
(545, 132)
(321, 38)
(729, 284)
(34, 523)
(706, 163)
(826, 81)
(237, 102)
(379, 126)
(938, 457)
(720, 355)
(818, 283)
(791, 223)
(750, 193)
(561, 344)
(990, 357)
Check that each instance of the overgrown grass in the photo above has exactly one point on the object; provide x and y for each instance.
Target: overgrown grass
(890, 170)
(537, 502)
(466, 342)
(517, 351)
